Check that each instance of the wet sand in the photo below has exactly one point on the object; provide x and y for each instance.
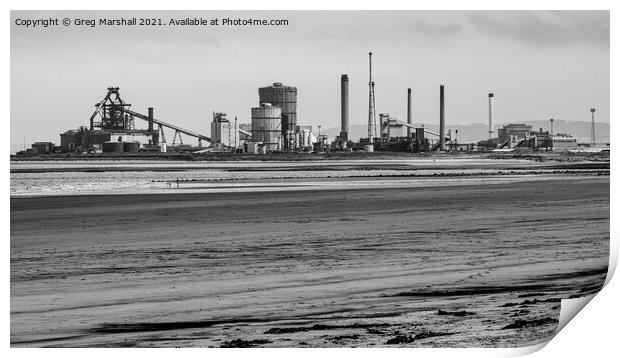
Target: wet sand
(476, 265)
(42, 178)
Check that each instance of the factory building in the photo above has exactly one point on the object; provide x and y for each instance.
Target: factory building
(67, 139)
(116, 125)
(42, 147)
(143, 138)
(562, 142)
(518, 130)
(224, 133)
(254, 148)
(94, 139)
(392, 127)
(83, 138)
(306, 138)
(518, 135)
(394, 135)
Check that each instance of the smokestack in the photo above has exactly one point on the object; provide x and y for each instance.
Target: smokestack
(490, 115)
(592, 137)
(150, 118)
(442, 120)
(551, 120)
(344, 108)
(409, 119)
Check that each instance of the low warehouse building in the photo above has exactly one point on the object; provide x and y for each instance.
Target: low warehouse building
(42, 147)
(564, 142)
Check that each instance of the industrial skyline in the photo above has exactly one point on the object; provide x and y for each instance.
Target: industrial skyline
(540, 64)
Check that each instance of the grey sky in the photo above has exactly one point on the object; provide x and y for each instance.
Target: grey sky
(539, 65)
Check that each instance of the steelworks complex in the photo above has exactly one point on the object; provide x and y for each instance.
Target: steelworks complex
(274, 127)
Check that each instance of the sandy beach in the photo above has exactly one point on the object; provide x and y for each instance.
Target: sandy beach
(273, 178)
(483, 264)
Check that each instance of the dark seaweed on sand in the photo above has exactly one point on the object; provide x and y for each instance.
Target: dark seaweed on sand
(240, 343)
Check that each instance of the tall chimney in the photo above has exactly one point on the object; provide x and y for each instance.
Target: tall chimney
(592, 137)
(150, 118)
(409, 119)
(491, 115)
(551, 120)
(344, 108)
(442, 120)
(551, 135)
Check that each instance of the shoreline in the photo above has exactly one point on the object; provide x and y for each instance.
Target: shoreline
(303, 157)
(389, 166)
(334, 183)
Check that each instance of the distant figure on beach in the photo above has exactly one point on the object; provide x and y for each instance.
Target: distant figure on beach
(177, 182)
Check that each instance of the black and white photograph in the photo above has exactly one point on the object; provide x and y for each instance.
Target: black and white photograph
(306, 178)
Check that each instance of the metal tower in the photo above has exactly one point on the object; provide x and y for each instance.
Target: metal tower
(372, 126)
(592, 137)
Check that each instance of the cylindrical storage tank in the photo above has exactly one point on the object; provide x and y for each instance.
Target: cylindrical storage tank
(266, 126)
(306, 138)
(131, 147)
(369, 148)
(112, 147)
(281, 96)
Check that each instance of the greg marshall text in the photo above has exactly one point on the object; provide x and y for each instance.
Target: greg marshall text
(154, 21)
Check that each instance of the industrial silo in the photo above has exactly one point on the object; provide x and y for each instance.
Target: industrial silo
(131, 147)
(284, 97)
(266, 125)
(112, 147)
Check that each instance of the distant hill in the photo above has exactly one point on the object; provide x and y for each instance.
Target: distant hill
(476, 131)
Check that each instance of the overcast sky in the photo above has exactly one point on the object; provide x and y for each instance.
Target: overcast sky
(540, 65)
